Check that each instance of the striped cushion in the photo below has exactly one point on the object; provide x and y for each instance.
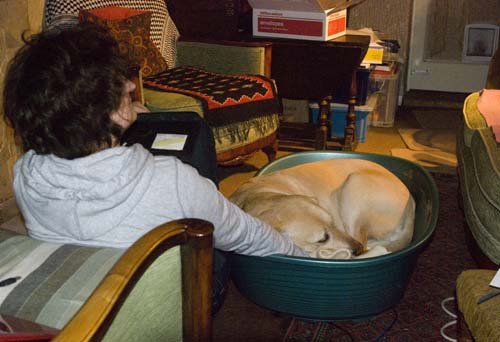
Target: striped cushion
(56, 279)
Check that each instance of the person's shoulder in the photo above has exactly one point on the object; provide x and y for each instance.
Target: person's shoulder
(25, 159)
(171, 165)
(167, 161)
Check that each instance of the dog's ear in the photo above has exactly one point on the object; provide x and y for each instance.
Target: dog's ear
(273, 218)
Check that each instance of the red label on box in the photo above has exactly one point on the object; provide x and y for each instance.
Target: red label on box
(336, 25)
(291, 26)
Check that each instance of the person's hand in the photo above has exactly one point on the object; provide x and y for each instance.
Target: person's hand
(489, 106)
(139, 107)
(126, 114)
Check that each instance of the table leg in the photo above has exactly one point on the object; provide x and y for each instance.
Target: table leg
(324, 124)
(350, 128)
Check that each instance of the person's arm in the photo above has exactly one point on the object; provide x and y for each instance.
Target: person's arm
(235, 230)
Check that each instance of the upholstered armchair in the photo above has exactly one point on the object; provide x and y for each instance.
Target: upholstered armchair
(478, 155)
(234, 142)
(236, 136)
(159, 289)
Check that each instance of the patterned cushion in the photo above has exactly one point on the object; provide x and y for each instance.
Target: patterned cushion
(226, 137)
(131, 29)
(56, 279)
(163, 31)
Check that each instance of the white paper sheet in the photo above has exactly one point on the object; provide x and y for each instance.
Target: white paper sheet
(495, 282)
(167, 141)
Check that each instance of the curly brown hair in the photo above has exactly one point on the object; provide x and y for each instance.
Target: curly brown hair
(60, 89)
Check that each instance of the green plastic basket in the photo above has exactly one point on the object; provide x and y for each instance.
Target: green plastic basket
(333, 290)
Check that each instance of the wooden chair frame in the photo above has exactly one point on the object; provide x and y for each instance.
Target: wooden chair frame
(195, 238)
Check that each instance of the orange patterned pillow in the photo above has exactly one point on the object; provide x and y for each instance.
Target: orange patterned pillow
(130, 28)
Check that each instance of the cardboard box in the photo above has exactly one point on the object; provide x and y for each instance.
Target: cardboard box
(300, 19)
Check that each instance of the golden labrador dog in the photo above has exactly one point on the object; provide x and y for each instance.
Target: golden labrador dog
(336, 208)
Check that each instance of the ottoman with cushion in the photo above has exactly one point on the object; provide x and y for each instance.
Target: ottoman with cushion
(482, 319)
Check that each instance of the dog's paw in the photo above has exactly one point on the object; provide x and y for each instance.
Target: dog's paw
(330, 253)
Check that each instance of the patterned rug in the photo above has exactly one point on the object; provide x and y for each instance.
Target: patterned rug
(419, 315)
(434, 149)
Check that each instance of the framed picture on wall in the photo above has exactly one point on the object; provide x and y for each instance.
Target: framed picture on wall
(480, 43)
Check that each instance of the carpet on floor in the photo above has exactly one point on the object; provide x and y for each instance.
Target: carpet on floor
(433, 149)
(419, 315)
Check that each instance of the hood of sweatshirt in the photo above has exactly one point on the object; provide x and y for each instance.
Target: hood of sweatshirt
(81, 198)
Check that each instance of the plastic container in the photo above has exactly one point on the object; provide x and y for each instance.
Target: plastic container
(387, 88)
(342, 94)
(338, 117)
(333, 290)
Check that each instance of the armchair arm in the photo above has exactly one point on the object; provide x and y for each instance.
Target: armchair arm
(226, 57)
(139, 278)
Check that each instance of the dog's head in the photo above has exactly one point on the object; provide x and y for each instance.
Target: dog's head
(306, 223)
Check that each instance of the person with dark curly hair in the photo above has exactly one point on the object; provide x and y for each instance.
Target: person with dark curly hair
(60, 90)
(67, 96)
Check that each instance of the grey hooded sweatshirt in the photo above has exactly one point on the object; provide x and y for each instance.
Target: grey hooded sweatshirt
(113, 197)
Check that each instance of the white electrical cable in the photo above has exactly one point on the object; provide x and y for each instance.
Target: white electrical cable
(445, 309)
(450, 323)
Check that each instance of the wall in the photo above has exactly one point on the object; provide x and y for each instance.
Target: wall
(16, 16)
(447, 21)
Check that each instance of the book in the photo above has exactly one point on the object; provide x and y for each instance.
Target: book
(387, 69)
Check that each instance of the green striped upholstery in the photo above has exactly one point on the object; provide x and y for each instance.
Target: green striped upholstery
(221, 58)
(56, 278)
(153, 310)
